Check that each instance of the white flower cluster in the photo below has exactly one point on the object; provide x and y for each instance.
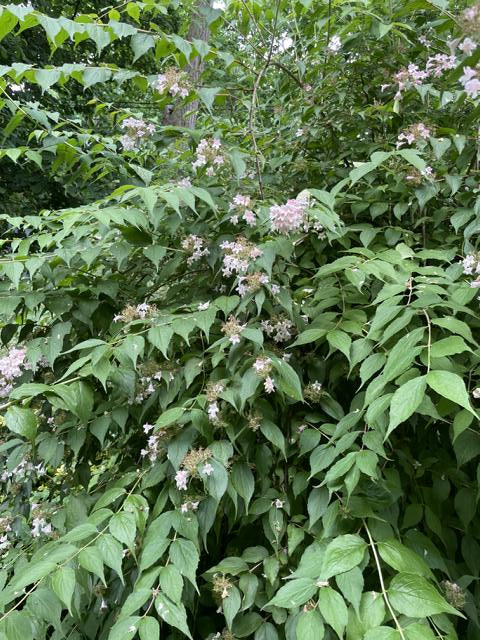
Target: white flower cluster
(242, 205)
(263, 367)
(174, 81)
(136, 130)
(196, 247)
(12, 366)
(238, 255)
(209, 155)
(280, 329)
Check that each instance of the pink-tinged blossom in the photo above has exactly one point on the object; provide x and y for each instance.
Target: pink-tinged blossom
(278, 328)
(148, 427)
(425, 41)
(173, 81)
(181, 478)
(242, 206)
(414, 133)
(136, 130)
(207, 469)
(470, 81)
(411, 76)
(184, 183)
(238, 255)
(468, 46)
(269, 384)
(288, 217)
(263, 366)
(208, 155)
(12, 366)
(471, 264)
(251, 283)
(439, 63)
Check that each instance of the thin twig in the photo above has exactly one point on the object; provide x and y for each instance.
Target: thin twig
(382, 583)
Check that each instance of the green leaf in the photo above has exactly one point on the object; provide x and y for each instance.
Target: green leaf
(112, 553)
(310, 626)
(334, 610)
(243, 482)
(450, 386)
(160, 337)
(91, 560)
(168, 417)
(123, 527)
(448, 347)
(149, 629)
(405, 401)
(382, 633)
(171, 582)
(231, 605)
(174, 615)
(22, 421)
(341, 341)
(184, 556)
(342, 554)
(63, 583)
(351, 585)
(415, 597)
(402, 559)
(287, 379)
(294, 593)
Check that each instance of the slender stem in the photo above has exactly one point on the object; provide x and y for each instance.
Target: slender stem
(382, 583)
(429, 345)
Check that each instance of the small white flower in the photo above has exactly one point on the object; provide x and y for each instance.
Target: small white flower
(278, 503)
(203, 306)
(207, 469)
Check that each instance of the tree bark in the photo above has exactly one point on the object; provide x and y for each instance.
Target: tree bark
(186, 115)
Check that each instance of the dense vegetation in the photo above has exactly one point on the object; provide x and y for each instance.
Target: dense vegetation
(239, 320)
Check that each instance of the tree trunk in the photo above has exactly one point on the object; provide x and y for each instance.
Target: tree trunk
(186, 115)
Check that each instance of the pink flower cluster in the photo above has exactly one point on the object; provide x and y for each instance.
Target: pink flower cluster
(209, 155)
(413, 133)
(241, 205)
(288, 217)
(471, 265)
(233, 329)
(238, 255)
(196, 247)
(413, 76)
(470, 81)
(137, 129)
(12, 366)
(439, 63)
(174, 81)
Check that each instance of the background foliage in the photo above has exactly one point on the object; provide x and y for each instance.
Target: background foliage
(225, 416)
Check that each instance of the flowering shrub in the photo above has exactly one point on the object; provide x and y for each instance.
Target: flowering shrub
(240, 377)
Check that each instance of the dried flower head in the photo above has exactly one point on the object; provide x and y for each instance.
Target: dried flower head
(233, 329)
(221, 586)
(454, 594)
(313, 391)
(173, 81)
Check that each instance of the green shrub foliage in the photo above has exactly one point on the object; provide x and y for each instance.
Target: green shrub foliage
(240, 370)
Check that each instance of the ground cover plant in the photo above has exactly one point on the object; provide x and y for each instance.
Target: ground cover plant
(239, 320)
